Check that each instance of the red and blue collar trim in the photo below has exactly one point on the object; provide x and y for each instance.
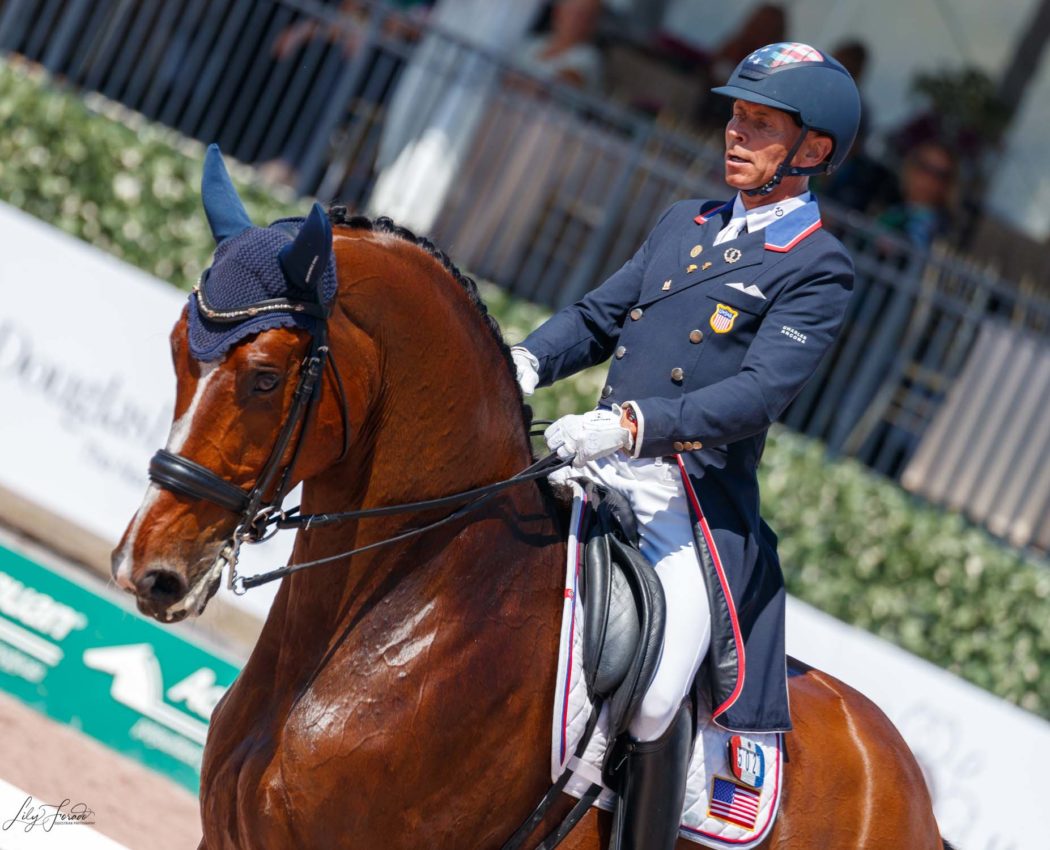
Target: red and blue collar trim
(786, 233)
(708, 212)
(782, 235)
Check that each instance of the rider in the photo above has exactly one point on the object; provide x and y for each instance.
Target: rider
(714, 326)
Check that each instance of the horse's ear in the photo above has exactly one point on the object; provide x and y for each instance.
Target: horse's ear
(304, 261)
(226, 214)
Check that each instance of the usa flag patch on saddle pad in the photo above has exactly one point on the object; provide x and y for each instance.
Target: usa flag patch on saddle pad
(733, 803)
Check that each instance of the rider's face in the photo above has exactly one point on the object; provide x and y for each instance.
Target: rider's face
(757, 140)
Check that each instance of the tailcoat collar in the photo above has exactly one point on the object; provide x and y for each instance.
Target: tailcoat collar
(781, 235)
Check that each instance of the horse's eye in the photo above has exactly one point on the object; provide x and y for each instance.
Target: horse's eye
(266, 382)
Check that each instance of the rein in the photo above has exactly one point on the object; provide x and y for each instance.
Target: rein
(480, 495)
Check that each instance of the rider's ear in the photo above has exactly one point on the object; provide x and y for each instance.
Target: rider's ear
(226, 214)
(304, 261)
(817, 147)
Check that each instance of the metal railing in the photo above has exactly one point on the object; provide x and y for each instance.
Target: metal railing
(538, 187)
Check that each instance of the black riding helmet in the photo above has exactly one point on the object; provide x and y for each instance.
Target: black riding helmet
(811, 86)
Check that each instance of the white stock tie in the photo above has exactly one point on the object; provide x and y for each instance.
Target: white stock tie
(731, 231)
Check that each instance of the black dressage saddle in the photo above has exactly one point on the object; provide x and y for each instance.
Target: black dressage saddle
(624, 613)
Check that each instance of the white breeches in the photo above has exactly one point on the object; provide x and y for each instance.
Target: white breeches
(653, 486)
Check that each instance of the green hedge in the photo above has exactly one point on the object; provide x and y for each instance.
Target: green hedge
(852, 543)
(127, 186)
(862, 549)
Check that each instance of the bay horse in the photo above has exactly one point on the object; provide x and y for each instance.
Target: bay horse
(402, 698)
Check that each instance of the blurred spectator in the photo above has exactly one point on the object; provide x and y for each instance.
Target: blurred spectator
(297, 35)
(567, 53)
(927, 189)
(862, 183)
(767, 24)
(439, 101)
(324, 50)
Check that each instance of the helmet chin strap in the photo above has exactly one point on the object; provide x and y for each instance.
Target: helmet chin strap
(786, 170)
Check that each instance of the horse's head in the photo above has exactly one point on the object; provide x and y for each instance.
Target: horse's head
(249, 353)
(418, 398)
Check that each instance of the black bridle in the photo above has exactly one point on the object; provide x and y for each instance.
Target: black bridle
(261, 517)
(188, 478)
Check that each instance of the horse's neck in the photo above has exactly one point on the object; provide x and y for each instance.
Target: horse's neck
(444, 423)
(467, 571)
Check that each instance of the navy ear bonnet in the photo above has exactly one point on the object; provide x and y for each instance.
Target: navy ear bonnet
(281, 276)
(246, 277)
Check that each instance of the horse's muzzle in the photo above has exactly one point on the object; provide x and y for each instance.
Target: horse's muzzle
(156, 591)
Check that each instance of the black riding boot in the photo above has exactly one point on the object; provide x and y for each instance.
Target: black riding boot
(653, 789)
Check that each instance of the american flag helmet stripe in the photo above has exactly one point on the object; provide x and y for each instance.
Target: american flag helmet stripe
(784, 53)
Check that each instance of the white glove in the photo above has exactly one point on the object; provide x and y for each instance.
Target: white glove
(528, 369)
(588, 436)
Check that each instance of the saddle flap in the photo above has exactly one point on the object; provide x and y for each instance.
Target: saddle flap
(611, 621)
(624, 611)
(652, 609)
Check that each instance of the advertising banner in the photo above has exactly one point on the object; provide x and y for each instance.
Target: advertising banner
(979, 754)
(86, 384)
(83, 660)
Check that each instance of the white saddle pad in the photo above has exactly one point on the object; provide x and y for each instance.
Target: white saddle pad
(720, 811)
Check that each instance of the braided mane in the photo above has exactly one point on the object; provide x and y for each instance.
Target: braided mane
(339, 215)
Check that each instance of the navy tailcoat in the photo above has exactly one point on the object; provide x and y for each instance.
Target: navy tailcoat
(711, 343)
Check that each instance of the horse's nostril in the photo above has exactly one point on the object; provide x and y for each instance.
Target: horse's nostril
(162, 586)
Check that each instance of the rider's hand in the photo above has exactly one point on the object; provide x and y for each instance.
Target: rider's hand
(528, 369)
(588, 436)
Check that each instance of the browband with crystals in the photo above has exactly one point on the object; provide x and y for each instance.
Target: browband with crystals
(271, 305)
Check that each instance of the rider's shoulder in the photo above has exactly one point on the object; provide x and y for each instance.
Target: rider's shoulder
(693, 210)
